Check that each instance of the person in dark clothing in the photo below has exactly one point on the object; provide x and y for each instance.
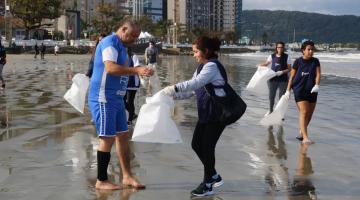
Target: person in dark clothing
(91, 63)
(132, 87)
(2, 64)
(36, 48)
(210, 73)
(305, 82)
(42, 51)
(281, 65)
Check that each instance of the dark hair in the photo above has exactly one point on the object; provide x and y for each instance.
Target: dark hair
(98, 38)
(277, 43)
(152, 43)
(306, 43)
(212, 45)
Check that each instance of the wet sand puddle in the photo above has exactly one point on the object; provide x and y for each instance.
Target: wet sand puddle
(48, 150)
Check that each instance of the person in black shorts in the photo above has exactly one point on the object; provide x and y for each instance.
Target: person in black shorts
(305, 82)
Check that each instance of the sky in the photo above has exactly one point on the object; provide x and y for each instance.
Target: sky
(332, 7)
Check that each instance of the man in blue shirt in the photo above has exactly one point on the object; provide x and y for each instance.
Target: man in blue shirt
(106, 92)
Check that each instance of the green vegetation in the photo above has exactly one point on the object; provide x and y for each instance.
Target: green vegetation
(108, 19)
(32, 12)
(280, 25)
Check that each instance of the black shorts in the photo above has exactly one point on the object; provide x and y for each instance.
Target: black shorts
(311, 98)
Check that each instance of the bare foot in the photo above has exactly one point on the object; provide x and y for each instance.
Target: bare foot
(133, 182)
(307, 142)
(106, 185)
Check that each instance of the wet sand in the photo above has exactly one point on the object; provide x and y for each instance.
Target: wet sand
(48, 150)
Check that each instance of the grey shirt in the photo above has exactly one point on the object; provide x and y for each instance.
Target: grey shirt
(209, 74)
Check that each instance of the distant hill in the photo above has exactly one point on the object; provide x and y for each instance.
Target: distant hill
(280, 25)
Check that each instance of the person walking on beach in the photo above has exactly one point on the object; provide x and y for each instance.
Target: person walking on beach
(36, 48)
(2, 64)
(42, 51)
(151, 54)
(305, 82)
(212, 75)
(106, 93)
(91, 63)
(281, 64)
(151, 58)
(56, 49)
(132, 87)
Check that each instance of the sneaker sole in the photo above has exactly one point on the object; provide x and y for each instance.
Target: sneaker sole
(218, 184)
(203, 195)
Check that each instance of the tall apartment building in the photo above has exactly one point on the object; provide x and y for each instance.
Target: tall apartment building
(138, 8)
(212, 15)
(176, 11)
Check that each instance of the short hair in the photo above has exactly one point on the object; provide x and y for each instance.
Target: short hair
(152, 43)
(129, 21)
(306, 43)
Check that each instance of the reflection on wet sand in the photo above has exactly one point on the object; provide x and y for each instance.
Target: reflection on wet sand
(302, 187)
(4, 118)
(277, 176)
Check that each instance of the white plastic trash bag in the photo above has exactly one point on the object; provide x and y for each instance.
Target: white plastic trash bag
(275, 118)
(76, 95)
(258, 83)
(154, 123)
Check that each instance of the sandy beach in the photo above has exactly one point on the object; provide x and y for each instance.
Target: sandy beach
(48, 149)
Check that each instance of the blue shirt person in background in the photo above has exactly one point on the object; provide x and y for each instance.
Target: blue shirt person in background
(281, 64)
(91, 63)
(305, 82)
(106, 92)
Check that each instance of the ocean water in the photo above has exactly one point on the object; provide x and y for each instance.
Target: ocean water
(48, 149)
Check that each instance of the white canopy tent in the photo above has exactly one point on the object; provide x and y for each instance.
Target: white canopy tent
(144, 35)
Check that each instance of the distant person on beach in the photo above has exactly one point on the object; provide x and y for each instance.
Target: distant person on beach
(132, 87)
(151, 58)
(151, 54)
(210, 73)
(305, 82)
(2, 64)
(281, 65)
(91, 63)
(106, 102)
(36, 48)
(42, 51)
(56, 49)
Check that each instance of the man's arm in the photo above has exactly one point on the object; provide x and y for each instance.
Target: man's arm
(119, 70)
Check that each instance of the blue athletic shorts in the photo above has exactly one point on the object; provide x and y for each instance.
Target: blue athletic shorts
(109, 118)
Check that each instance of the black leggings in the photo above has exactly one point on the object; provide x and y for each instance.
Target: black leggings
(204, 142)
(129, 103)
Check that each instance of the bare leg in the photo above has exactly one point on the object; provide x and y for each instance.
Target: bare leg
(105, 145)
(123, 151)
(305, 113)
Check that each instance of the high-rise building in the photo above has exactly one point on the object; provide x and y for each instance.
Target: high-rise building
(212, 15)
(139, 8)
(176, 11)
